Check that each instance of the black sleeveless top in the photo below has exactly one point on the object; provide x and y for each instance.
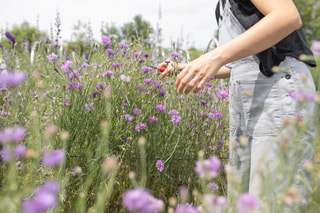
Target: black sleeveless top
(293, 45)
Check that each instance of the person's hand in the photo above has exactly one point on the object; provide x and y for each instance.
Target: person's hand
(168, 68)
(197, 73)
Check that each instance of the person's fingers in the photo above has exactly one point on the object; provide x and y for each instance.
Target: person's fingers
(181, 76)
(184, 81)
(201, 84)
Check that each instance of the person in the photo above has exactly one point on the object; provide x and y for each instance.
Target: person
(264, 52)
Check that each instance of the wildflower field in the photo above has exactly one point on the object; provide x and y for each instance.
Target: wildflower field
(102, 132)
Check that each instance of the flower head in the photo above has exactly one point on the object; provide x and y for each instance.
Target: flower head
(66, 66)
(107, 74)
(53, 158)
(106, 40)
(247, 203)
(315, 46)
(208, 167)
(160, 165)
(122, 45)
(160, 108)
(140, 126)
(89, 107)
(52, 57)
(12, 134)
(153, 119)
(175, 119)
(141, 200)
(11, 38)
(137, 111)
(95, 94)
(12, 78)
(110, 52)
(148, 80)
(125, 78)
(128, 117)
(186, 208)
(44, 198)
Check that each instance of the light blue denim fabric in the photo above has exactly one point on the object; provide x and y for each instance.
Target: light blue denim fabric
(259, 106)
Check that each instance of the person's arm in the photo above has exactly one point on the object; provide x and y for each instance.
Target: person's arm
(223, 73)
(281, 18)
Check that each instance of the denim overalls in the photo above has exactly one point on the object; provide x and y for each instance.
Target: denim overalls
(260, 109)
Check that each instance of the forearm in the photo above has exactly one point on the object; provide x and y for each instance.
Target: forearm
(276, 25)
(223, 73)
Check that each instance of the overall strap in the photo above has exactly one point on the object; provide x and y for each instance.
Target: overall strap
(219, 10)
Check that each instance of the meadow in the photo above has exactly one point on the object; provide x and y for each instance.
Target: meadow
(102, 132)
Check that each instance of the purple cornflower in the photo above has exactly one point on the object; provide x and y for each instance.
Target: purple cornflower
(208, 167)
(77, 85)
(20, 150)
(142, 201)
(137, 111)
(110, 52)
(160, 165)
(125, 105)
(213, 187)
(146, 69)
(52, 57)
(303, 96)
(44, 198)
(5, 154)
(153, 119)
(220, 142)
(218, 114)
(141, 88)
(136, 54)
(148, 81)
(175, 119)
(11, 38)
(12, 134)
(66, 66)
(173, 112)
(66, 102)
(216, 203)
(315, 46)
(247, 203)
(117, 65)
(175, 55)
(162, 93)
(106, 40)
(156, 84)
(89, 107)
(140, 126)
(186, 208)
(95, 94)
(12, 78)
(222, 94)
(160, 108)
(128, 117)
(122, 45)
(107, 74)
(203, 102)
(125, 78)
(100, 85)
(53, 158)
(146, 55)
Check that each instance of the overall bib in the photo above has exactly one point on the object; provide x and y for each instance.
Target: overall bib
(260, 140)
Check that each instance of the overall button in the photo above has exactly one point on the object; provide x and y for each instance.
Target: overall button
(288, 76)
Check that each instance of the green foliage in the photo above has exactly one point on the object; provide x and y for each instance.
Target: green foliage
(310, 14)
(136, 31)
(25, 32)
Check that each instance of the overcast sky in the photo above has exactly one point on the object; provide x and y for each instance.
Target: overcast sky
(192, 19)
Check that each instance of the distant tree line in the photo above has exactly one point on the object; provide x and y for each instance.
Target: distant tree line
(139, 29)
